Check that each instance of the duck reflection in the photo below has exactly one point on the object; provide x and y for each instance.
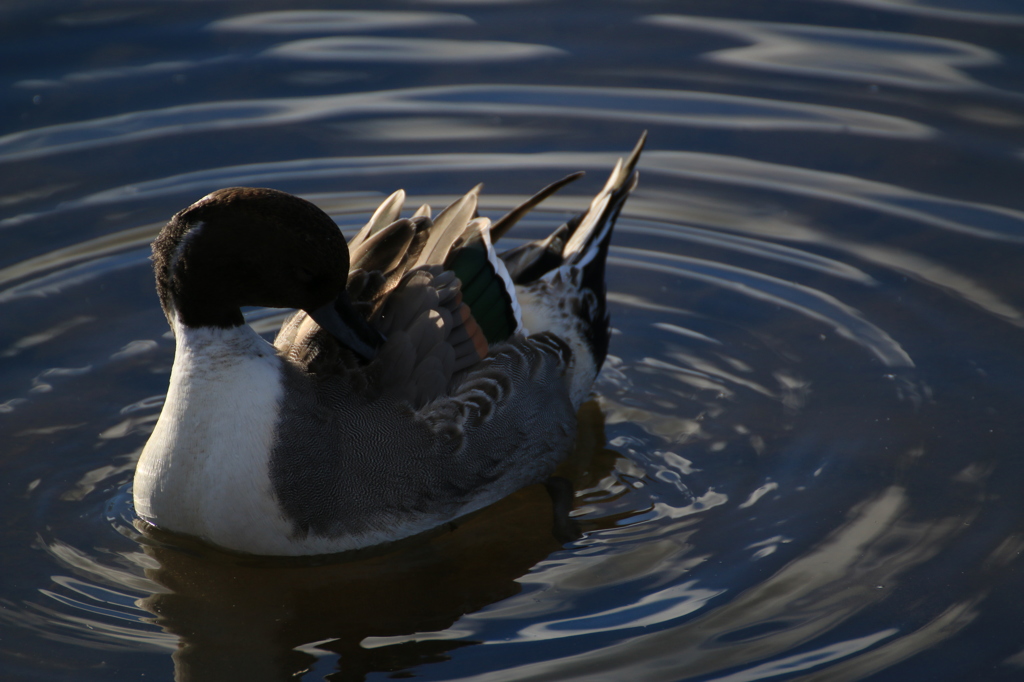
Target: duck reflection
(257, 618)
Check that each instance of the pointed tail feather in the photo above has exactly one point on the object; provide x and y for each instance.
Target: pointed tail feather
(586, 252)
(504, 224)
(595, 225)
(585, 238)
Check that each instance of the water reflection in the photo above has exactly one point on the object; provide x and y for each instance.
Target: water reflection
(811, 461)
(814, 304)
(977, 219)
(434, 128)
(642, 107)
(809, 660)
(410, 50)
(336, 21)
(227, 616)
(943, 9)
(857, 567)
(874, 57)
(265, 620)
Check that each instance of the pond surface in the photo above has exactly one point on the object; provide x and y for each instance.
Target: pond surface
(803, 459)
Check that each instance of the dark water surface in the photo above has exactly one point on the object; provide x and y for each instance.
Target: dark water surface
(804, 459)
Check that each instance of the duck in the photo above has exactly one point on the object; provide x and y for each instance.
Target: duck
(423, 376)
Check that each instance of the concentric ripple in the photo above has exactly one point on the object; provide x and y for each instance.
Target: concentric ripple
(800, 461)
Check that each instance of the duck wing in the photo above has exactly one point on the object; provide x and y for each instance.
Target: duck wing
(437, 290)
(462, 404)
(433, 287)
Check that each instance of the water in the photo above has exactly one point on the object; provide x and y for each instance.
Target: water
(802, 460)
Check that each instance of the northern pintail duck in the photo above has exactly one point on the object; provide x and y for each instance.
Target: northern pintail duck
(423, 377)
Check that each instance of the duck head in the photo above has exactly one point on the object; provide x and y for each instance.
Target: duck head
(257, 247)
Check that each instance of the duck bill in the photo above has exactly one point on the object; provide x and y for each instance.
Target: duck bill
(339, 319)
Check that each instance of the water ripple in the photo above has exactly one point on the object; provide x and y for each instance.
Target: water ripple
(927, 9)
(814, 304)
(814, 308)
(809, 660)
(972, 218)
(336, 21)
(873, 57)
(96, 77)
(654, 608)
(410, 50)
(641, 106)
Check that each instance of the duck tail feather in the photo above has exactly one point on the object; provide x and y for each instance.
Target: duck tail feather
(596, 223)
(505, 223)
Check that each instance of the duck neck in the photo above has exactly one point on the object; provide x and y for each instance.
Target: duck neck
(204, 470)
